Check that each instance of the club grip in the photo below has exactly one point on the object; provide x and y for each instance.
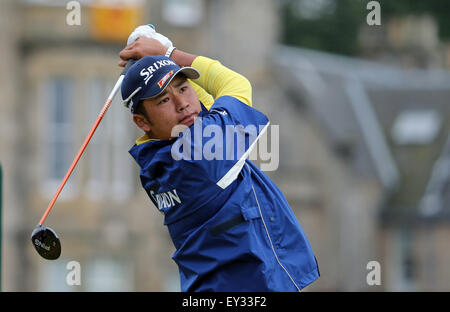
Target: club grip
(130, 62)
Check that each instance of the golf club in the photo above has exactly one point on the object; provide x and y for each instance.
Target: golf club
(44, 239)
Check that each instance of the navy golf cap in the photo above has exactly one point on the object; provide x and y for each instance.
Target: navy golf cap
(149, 76)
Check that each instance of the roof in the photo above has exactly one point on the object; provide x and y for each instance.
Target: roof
(358, 102)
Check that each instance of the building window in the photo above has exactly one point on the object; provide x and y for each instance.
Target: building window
(59, 133)
(52, 277)
(121, 136)
(97, 152)
(100, 274)
(183, 13)
(104, 274)
(109, 164)
(108, 169)
(405, 263)
(416, 127)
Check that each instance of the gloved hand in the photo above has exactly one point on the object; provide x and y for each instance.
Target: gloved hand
(140, 48)
(149, 32)
(156, 45)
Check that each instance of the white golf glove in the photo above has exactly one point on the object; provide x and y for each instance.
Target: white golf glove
(150, 32)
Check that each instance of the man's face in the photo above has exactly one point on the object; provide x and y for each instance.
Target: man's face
(177, 105)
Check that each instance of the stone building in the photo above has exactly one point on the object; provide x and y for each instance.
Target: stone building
(338, 166)
(56, 82)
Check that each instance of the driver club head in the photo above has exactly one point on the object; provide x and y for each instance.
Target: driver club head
(46, 242)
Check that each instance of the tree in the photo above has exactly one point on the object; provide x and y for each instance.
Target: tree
(332, 25)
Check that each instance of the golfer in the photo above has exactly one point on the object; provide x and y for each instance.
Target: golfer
(232, 228)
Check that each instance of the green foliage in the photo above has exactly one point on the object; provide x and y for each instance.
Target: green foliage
(332, 25)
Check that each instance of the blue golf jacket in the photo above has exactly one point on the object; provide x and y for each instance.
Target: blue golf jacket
(232, 228)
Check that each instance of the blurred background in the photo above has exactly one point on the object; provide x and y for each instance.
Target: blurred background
(361, 99)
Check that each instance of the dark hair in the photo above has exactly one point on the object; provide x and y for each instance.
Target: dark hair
(139, 109)
(182, 75)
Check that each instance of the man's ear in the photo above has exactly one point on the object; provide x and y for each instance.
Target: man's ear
(142, 122)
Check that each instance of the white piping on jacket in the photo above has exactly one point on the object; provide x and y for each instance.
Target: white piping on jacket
(232, 174)
(271, 244)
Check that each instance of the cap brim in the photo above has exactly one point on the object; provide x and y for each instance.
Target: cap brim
(189, 72)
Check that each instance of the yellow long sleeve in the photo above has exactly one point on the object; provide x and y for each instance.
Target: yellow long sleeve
(218, 80)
